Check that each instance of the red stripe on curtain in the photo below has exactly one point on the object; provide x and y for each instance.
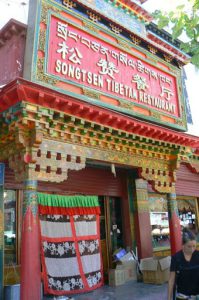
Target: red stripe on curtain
(75, 240)
(78, 254)
(82, 237)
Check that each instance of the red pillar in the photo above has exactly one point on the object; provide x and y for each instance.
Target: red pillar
(174, 224)
(142, 220)
(30, 251)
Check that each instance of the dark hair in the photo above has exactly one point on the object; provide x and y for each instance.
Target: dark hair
(187, 236)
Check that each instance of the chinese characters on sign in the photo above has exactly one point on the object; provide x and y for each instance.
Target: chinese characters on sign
(81, 58)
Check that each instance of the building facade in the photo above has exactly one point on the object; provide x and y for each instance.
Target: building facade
(93, 143)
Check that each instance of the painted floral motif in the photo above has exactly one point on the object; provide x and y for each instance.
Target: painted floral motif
(94, 279)
(57, 218)
(65, 284)
(84, 218)
(90, 246)
(59, 249)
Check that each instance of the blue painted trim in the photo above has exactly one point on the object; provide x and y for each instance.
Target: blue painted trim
(2, 173)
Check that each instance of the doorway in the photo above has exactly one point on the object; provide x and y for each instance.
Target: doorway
(111, 231)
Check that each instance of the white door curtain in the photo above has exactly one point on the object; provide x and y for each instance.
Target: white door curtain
(70, 243)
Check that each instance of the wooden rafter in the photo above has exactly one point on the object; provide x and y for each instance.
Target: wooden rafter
(21, 89)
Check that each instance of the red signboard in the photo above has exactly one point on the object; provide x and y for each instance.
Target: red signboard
(86, 60)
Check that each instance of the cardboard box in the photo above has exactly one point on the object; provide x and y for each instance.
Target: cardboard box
(126, 257)
(130, 268)
(116, 277)
(155, 269)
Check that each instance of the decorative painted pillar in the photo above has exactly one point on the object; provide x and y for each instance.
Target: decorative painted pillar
(142, 220)
(174, 224)
(30, 251)
(2, 170)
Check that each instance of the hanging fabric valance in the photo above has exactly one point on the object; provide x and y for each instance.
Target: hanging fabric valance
(67, 205)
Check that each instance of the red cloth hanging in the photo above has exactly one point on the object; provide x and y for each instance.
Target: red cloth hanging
(70, 248)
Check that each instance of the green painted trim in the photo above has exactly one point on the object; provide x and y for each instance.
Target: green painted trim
(93, 130)
(67, 201)
(115, 108)
(151, 59)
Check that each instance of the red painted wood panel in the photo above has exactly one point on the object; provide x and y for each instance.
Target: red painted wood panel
(187, 182)
(10, 182)
(89, 181)
(95, 181)
(12, 49)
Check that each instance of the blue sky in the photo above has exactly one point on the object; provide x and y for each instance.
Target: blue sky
(18, 9)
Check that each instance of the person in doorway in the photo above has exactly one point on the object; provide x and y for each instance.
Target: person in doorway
(184, 270)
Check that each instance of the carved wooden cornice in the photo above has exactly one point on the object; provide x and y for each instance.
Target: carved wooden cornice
(12, 28)
(159, 44)
(70, 128)
(34, 93)
(69, 4)
(162, 181)
(30, 158)
(42, 143)
(130, 7)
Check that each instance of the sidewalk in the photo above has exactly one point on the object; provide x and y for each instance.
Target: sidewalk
(132, 290)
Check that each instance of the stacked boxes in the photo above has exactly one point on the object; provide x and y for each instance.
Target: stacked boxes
(126, 269)
(129, 268)
(155, 269)
(116, 277)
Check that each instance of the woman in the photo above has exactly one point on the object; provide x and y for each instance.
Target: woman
(184, 269)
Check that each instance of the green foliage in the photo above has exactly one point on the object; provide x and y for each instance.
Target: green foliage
(184, 25)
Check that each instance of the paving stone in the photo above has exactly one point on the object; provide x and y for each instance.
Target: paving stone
(131, 290)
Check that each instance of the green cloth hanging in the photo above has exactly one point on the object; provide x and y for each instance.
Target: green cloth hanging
(67, 201)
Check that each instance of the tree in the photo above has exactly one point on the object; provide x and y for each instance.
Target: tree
(184, 24)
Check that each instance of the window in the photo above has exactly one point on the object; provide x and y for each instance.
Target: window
(159, 221)
(187, 208)
(9, 227)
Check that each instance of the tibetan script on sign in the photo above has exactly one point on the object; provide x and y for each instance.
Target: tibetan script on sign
(77, 56)
(73, 55)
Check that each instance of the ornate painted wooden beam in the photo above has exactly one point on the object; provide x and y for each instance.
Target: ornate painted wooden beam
(64, 126)
(44, 144)
(154, 42)
(30, 92)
